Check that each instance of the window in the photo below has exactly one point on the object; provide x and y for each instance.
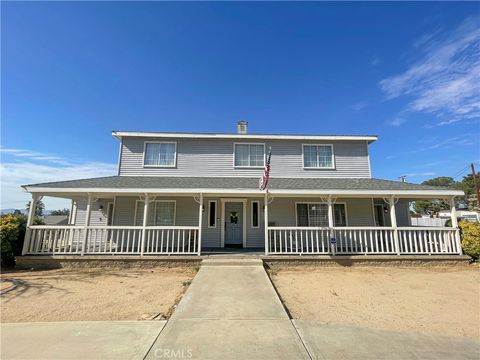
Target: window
(160, 154)
(318, 156)
(310, 214)
(339, 215)
(249, 155)
(212, 214)
(160, 213)
(254, 221)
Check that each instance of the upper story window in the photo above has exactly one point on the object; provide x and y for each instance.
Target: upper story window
(318, 156)
(249, 155)
(160, 154)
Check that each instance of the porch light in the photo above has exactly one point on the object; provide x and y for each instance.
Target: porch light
(385, 210)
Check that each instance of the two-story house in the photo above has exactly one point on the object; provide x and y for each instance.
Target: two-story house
(188, 193)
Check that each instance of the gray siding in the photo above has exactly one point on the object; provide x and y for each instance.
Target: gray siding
(282, 211)
(214, 157)
(97, 217)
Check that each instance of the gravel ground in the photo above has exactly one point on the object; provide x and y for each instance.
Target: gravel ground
(442, 301)
(92, 294)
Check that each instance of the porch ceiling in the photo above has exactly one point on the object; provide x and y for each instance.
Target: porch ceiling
(242, 185)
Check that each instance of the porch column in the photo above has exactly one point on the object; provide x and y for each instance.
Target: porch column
(87, 223)
(265, 222)
(330, 212)
(200, 213)
(31, 216)
(331, 223)
(393, 221)
(453, 214)
(144, 224)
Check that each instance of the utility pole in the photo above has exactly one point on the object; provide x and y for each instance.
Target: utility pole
(403, 178)
(475, 185)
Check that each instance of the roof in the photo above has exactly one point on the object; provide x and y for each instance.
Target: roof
(120, 134)
(141, 184)
(56, 220)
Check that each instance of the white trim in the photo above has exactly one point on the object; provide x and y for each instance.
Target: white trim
(120, 157)
(159, 166)
(120, 134)
(368, 161)
(344, 203)
(248, 166)
(258, 214)
(208, 214)
(244, 225)
(155, 201)
(318, 167)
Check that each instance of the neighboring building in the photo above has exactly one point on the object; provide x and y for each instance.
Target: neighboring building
(55, 219)
(472, 216)
(201, 192)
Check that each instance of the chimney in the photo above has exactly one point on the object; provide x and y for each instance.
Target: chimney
(242, 127)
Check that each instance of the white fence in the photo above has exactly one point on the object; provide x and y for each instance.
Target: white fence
(362, 240)
(111, 240)
(428, 222)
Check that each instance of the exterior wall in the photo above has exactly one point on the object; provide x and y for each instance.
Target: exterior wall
(402, 209)
(214, 157)
(281, 212)
(97, 217)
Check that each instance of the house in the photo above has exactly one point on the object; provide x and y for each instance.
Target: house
(189, 193)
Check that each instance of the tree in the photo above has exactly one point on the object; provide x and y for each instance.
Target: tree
(39, 209)
(434, 206)
(467, 186)
(60, 212)
(445, 181)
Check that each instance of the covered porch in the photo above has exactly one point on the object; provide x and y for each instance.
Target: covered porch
(192, 221)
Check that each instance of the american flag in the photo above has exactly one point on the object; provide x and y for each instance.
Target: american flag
(263, 183)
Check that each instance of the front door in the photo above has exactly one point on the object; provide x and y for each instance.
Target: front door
(234, 224)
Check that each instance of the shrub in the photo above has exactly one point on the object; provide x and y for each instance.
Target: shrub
(9, 234)
(470, 233)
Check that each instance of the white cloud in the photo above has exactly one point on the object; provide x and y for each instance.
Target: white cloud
(445, 80)
(421, 174)
(358, 106)
(37, 167)
(397, 121)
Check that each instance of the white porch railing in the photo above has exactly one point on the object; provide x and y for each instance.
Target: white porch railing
(111, 240)
(362, 240)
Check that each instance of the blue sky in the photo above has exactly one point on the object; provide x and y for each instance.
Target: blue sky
(73, 72)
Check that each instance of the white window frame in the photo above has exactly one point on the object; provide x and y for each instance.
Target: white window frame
(155, 215)
(248, 166)
(318, 167)
(208, 212)
(258, 214)
(321, 203)
(145, 143)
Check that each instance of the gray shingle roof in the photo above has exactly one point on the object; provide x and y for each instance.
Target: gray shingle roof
(157, 182)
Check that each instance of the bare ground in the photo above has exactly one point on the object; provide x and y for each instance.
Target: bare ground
(92, 294)
(442, 301)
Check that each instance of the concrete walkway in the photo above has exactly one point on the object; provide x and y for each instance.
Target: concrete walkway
(78, 339)
(230, 311)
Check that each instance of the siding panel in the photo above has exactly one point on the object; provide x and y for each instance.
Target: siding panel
(215, 158)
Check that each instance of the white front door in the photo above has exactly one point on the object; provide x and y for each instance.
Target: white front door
(233, 223)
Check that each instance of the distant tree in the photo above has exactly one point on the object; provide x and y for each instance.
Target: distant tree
(433, 207)
(445, 181)
(467, 186)
(60, 212)
(17, 212)
(40, 208)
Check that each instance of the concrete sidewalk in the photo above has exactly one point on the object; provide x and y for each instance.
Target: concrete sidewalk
(230, 311)
(78, 339)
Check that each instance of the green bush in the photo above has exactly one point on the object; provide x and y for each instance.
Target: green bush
(470, 234)
(9, 235)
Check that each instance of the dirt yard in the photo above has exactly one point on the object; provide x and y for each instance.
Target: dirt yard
(430, 300)
(92, 294)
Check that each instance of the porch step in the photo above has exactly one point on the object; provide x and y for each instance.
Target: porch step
(232, 262)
